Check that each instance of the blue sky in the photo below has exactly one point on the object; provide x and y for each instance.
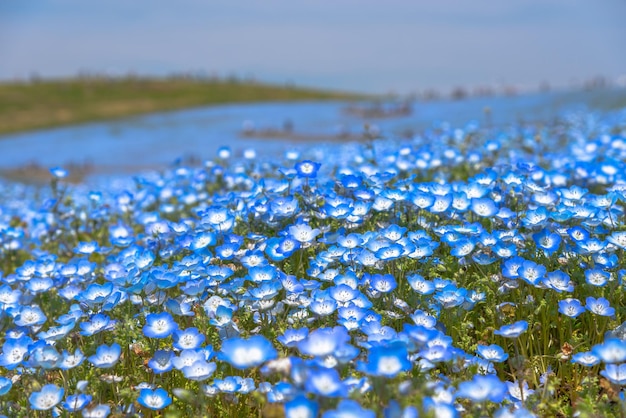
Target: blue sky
(361, 45)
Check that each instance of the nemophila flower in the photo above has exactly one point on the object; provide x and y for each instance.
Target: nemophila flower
(599, 306)
(510, 268)
(96, 293)
(98, 411)
(597, 277)
(199, 370)
(386, 361)
(462, 247)
(531, 272)
(512, 331)
(492, 352)
(323, 341)
(301, 407)
(58, 172)
(96, 324)
(38, 285)
(5, 385)
(420, 284)
(161, 361)
(303, 233)
(389, 252)
(519, 391)
(611, 350)
(484, 207)
(423, 319)
(615, 373)
(86, 247)
(48, 397)
(159, 325)
(243, 354)
(75, 403)
(307, 168)
(325, 382)
(548, 241)
(483, 388)
(323, 307)
(571, 307)
(586, 359)
(536, 217)
(618, 239)
(383, 283)
(106, 356)
(30, 316)
(441, 203)
(188, 339)
(156, 399)
(558, 281)
(14, 351)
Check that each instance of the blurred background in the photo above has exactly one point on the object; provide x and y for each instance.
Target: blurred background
(69, 62)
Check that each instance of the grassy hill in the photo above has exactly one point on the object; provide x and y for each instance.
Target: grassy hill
(49, 103)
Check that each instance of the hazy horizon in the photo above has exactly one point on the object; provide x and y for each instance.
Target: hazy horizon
(365, 45)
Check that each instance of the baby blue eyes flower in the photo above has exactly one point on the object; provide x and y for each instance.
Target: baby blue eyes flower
(49, 396)
(106, 356)
(75, 403)
(159, 325)
(599, 306)
(512, 331)
(5, 385)
(154, 399)
(301, 407)
(243, 354)
(387, 361)
(492, 352)
(483, 388)
(610, 351)
(571, 307)
(616, 374)
(58, 172)
(307, 169)
(303, 233)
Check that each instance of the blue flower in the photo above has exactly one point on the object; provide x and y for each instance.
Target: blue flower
(188, 339)
(75, 403)
(48, 397)
(615, 373)
(483, 388)
(386, 361)
(587, 359)
(599, 306)
(531, 272)
(484, 207)
(571, 307)
(243, 354)
(597, 277)
(301, 407)
(106, 356)
(307, 168)
(548, 241)
(199, 370)
(512, 331)
(325, 382)
(323, 341)
(161, 361)
(5, 385)
(349, 409)
(492, 352)
(611, 350)
(159, 325)
(154, 399)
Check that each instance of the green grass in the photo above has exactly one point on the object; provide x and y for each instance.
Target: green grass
(51, 103)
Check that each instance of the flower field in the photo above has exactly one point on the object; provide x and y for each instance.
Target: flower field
(465, 272)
